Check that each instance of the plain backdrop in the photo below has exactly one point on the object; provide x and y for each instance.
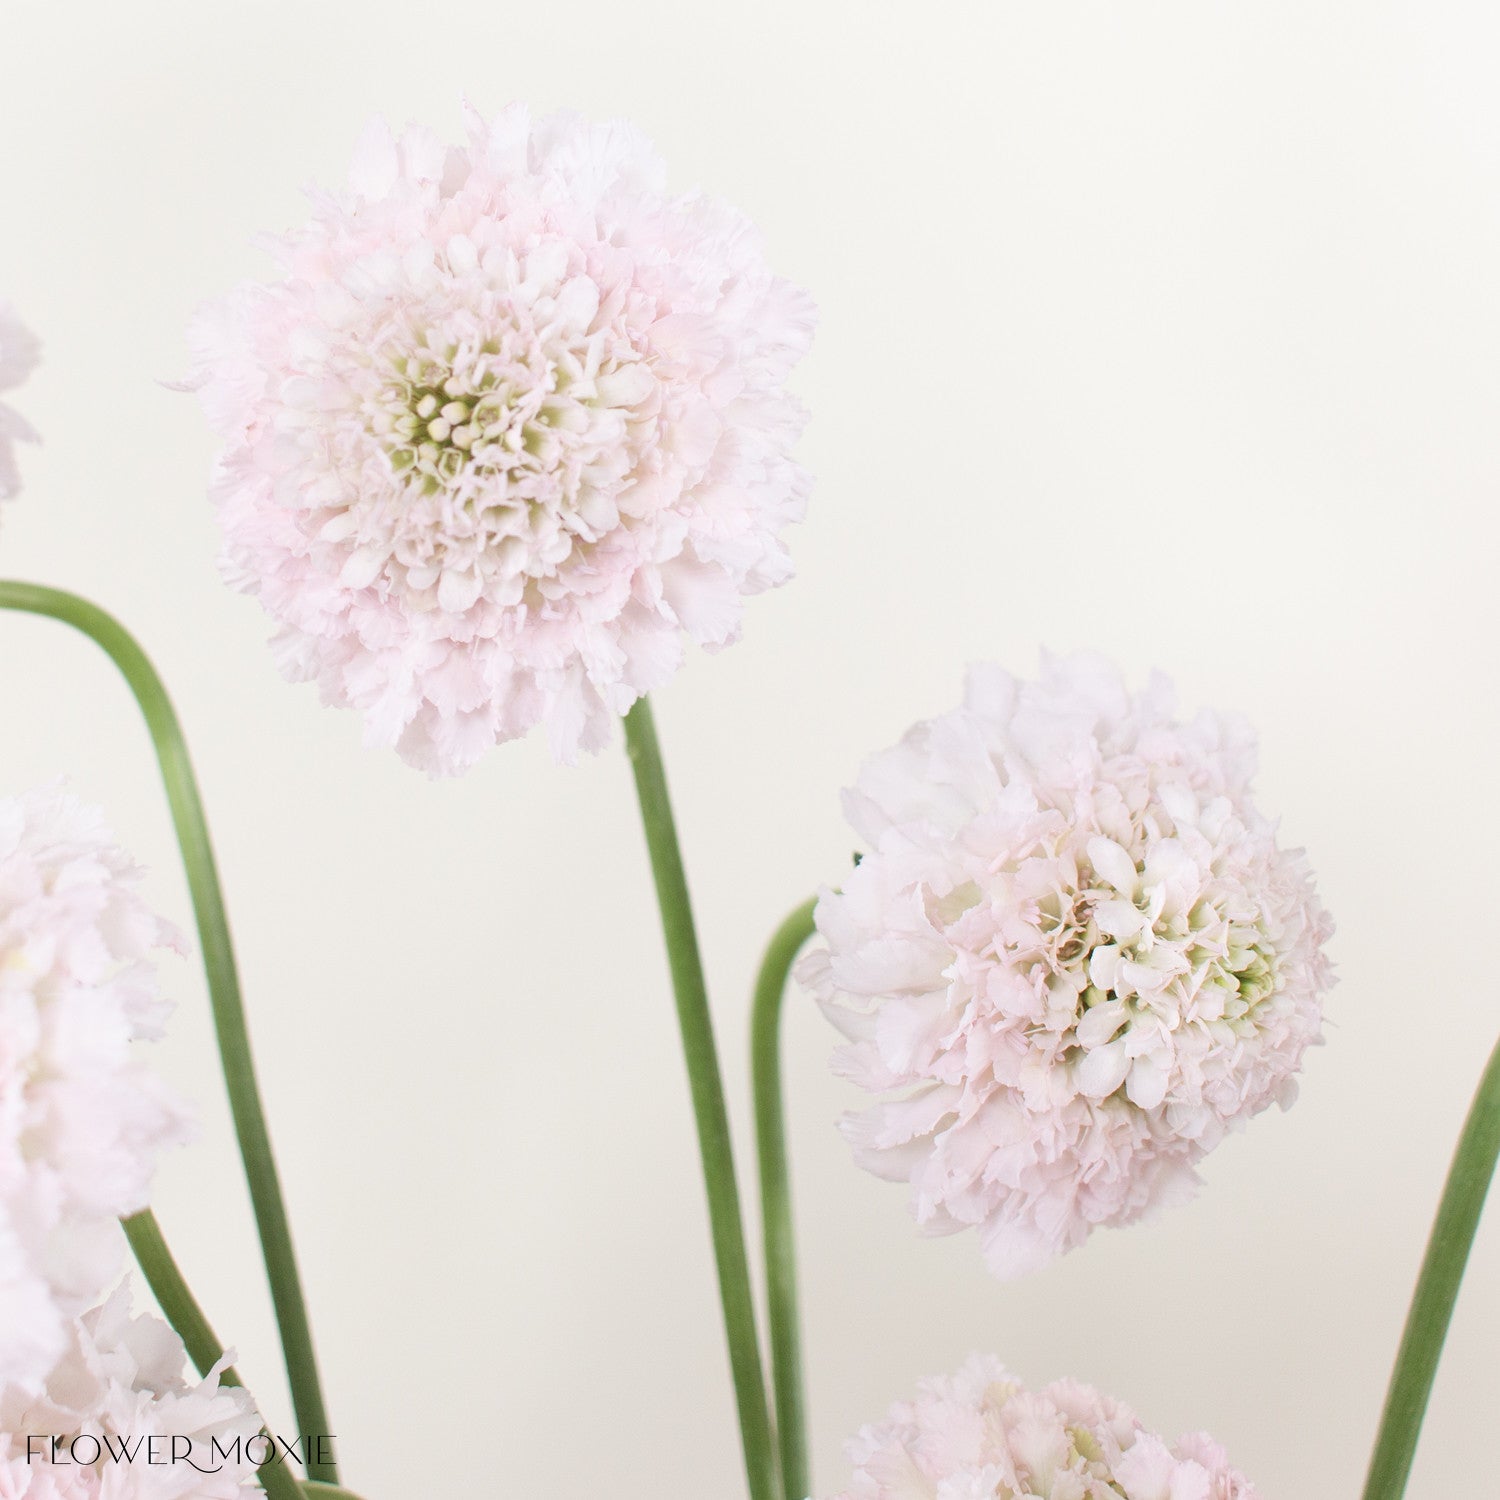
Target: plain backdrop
(1169, 328)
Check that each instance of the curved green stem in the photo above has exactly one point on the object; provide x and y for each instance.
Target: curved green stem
(776, 1198)
(707, 1089)
(203, 1345)
(223, 981)
(1437, 1290)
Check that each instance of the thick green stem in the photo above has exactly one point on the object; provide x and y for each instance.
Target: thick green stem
(707, 1089)
(776, 1198)
(223, 982)
(203, 1345)
(1437, 1290)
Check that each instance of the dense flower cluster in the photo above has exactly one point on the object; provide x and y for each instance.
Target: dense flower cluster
(81, 1118)
(18, 357)
(1075, 950)
(980, 1435)
(512, 427)
(119, 1384)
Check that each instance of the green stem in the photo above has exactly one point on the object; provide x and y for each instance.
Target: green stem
(776, 1198)
(707, 1089)
(1437, 1290)
(203, 1345)
(223, 982)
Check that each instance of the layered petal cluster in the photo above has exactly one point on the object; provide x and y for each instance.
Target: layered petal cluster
(511, 430)
(1075, 954)
(82, 1118)
(980, 1435)
(18, 356)
(118, 1385)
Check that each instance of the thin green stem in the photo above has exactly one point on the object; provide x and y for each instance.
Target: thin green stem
(707, 1090)
(223, 982)
(776, 1198)
(203, 1345)
(1437, 1290)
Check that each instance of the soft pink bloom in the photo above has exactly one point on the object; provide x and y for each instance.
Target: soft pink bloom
(18, 356)
(1075, 952)
(509, 432)
(980, 1435)
(82, 1118)
(118, 1384)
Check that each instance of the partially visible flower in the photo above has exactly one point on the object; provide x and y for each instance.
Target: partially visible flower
(18, 357)
(119, 1384)
(980, 1435)
(1077, 950)
(81, 1116)
(512, 429)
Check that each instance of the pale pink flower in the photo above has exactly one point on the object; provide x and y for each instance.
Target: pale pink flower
(980, 1435)
(118, 1385)
(511, 429)
(1074, 951)
(18, 357)
(81, 1117)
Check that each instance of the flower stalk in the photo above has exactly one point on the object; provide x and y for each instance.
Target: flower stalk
(223, 981)
(182, 1311)
(777, 1236)
(1436, 1293)
(707, 1089)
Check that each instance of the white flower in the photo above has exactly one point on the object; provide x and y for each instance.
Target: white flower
(980, 1435)
(18, 356)
(81, 1117)
(118, 1385)
(512, 429)
(1075, 949)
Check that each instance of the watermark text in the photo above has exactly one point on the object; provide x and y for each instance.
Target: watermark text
(213, 1457)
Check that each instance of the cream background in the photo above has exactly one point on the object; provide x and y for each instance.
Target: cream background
(1167, 327)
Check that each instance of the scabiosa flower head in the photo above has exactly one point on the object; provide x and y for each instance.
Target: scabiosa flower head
(980, 1435)
(18, 357)
(81, 1118)
(117, 1385)
(512, 428)
(1076, 952)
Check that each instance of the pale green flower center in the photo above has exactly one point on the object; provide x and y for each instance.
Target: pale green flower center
(1254, 973)
(437, 417)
